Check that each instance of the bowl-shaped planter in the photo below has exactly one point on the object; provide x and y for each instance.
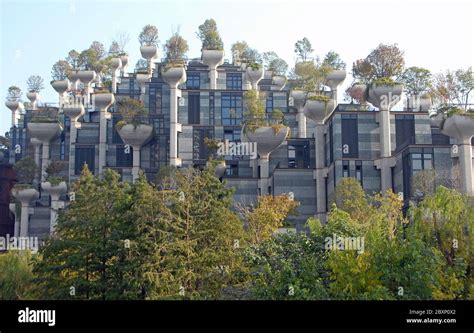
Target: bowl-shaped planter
(254, 75)
(124, 59)
(437, 119)
(86, 77)
(13, 105)
(104, 100)
(416, 103)
(174, 76)
(459, 126)
(279, 81)
(115, 64)
(318, 111)
(212, 58)
(25, 195)
(299, 98)
(33, 96)
(54, 190)
(73, 111)
(149, 52)
(61, 86)
(384, 96)
(267, 138)
(135, 135)
(335, 78)
(45, 132)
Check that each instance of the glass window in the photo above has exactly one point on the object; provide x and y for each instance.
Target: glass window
(193, 81)
(269, 103)
(234, 81)
(231, 106)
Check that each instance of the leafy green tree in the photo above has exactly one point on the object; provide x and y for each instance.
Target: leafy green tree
(303, 48)
(191, 238)
(416, 80)
(89, 256)
(445, 222)
(175, 48)
(209, 35)
(333, 60)
(274, 63)
(16, 275)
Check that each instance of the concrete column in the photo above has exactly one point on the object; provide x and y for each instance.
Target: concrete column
(16, 229)
(174, 128)
(25, 197)
(37, 144)
(103, 102)
(136, 162)
(386, 163)
(320, 172)
(44, 160)
(301, 119)
(465, 164)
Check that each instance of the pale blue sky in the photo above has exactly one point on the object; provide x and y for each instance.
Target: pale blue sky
(437, 35)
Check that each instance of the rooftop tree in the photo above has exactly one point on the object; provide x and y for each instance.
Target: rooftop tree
(416, 80)
(149, 36)
(119, 42)
(384, 62)
(333, 60)
(241, 51)
(175, 48)
(35, 83)
(209, 36)
(453, 87)
(274, 63)
(60, 70)
(14, 93)
(303, 48)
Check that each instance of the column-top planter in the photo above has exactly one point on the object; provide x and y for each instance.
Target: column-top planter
(73, 111)
(318, 110)
(14, 105)
(54, 190)
(299, 98)
(103, 100)
(174, 76)
(33, 96)
(45, 131)
(25, 195)
(279, 81)
(212, 58)
(335, 78)
(254, 75)
(86, 77)
(60, 86)
(384, 96)
(266, 137)
(135, 135)
(459, 126)
(124, 60)
(115, 63)
(149, 52)
(143, 78)
(437, 120)
(300, 68)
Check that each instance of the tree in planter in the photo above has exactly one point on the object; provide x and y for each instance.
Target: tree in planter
(453, 88)
(274, 63)
(175, 49)
(356, 92)
(334, 61)
(60, 70)
(303, 49)
(209, 36)
(141, 66)
(416, 80)
(148, 36)
(95, 59)
(242, 52)
(35, 83)
(132, 110)
(386, 62)
(73, 60)
(14, 94)
(25, 170)
(117, 47)
(54, 169)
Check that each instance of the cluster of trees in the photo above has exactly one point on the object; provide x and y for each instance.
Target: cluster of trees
(181, 239)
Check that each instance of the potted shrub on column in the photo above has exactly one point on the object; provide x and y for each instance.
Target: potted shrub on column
(55, 186)
(174, 74)
(14, 104)
(133, 128)
(337, 72)
(212, 49)
(417, 82)
(148, 39)
(303, 50)
(60, 82)
(278, 67)
(24, 191)
(35, 85)
(45, 126)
